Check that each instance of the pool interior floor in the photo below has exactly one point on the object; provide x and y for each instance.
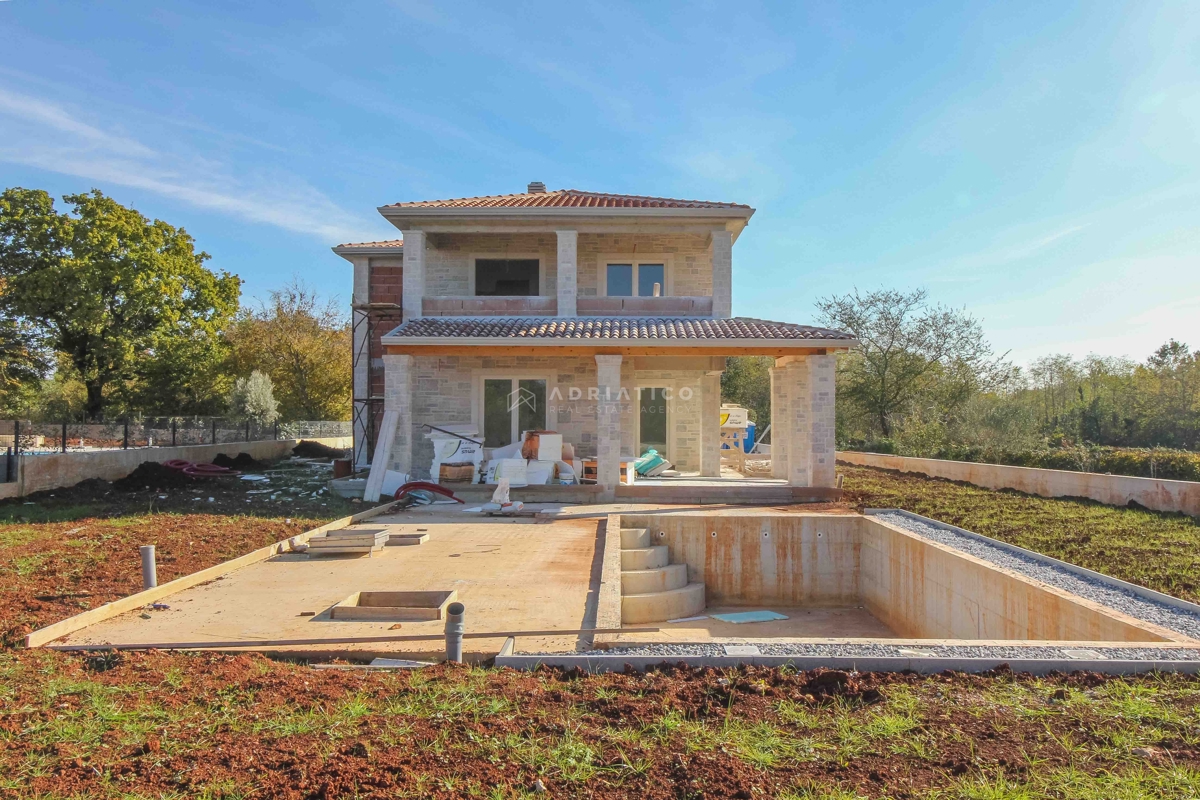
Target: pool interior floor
(849, 622)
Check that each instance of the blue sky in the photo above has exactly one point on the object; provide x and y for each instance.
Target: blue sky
(1035, 163)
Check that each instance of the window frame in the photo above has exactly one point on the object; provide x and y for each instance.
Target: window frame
(477, 397)
(636, 261)
(473, 257)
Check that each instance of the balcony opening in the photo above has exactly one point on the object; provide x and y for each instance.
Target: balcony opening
(507, 277)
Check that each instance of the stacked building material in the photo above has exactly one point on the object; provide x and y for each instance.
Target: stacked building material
(348, 540)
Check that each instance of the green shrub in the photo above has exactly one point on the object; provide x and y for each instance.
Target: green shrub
(1140, 462)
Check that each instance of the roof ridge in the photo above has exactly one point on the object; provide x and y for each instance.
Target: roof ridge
(539, 199)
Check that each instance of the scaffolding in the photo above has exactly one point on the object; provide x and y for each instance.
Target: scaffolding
(368, 320)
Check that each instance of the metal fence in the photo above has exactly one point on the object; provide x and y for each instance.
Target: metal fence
(25, 437)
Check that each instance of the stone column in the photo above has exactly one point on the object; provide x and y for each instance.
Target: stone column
(398, 397)
(780, 420)
(722, 268)
(568, 246)
(608, 424)
(414, 274)
(799, 388)
(822, 380)
(710, 425)
(361, 387)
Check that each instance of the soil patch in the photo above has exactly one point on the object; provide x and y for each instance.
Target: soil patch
(243, 462)
(150, 475)
(308, 449)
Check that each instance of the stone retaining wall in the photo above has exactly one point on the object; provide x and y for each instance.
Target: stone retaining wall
(1114, 490)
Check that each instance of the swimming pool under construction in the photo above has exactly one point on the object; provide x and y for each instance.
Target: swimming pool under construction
(601, 587)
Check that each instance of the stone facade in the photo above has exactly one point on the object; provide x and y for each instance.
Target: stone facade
(689, 256)
(448, 259)
(446, 391)
(822, 377)
(449, 264)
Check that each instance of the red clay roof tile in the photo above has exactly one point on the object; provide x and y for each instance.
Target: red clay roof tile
(610, 328)
(566, 198)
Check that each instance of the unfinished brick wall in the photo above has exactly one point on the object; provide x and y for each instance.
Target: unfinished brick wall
(386, 285)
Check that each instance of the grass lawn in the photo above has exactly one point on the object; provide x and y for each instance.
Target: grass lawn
(175, 725)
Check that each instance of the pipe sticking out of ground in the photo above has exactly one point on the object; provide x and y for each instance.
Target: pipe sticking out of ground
(149, 567)
(454, 632)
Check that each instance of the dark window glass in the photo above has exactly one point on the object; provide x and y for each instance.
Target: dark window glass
(511, 277)
(531, 406)
(653, 420)
(648, 275)
(620, 280)
(497, 416)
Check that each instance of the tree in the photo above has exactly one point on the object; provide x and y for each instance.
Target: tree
(254, 398)
(23, 364)
(122, 297)
(304, 346)
(747, 382)
(908, 348)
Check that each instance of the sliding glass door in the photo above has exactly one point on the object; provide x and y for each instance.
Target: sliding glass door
(510, 406)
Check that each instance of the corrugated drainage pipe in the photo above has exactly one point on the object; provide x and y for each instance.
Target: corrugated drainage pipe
(454, 632)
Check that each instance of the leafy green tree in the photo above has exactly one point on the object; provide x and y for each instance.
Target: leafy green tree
(747, 382)
(127, 300)
(23, 364)
(303, 344)
(910, 351)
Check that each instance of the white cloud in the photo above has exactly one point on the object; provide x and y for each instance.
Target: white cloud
(45, 135)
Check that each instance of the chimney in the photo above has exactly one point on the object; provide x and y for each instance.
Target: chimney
(536, 187)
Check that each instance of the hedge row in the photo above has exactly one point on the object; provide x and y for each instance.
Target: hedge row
(1151, 462)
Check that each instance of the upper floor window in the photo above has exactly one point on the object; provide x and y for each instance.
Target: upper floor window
(636, 279)
(511, 277)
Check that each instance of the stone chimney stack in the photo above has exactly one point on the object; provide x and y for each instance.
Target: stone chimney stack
(536, 187)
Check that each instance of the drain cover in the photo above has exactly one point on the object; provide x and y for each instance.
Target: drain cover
(742, 650)
(1089, 654)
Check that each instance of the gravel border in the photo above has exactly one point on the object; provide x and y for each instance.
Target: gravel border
(873, 650)
(1177, 619)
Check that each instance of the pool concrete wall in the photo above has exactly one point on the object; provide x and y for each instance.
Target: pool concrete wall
(1114, 490)
(925, 590)
(917, 588)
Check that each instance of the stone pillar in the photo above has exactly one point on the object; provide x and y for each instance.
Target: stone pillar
(722, 270)
(414, 274)
(608, 424)
(398, 397)
(799, 388)
(822, 382)
(780, 421)
(361, 387)
(710, 425)
(568, 245)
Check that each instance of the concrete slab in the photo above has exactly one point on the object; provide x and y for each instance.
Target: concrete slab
(511, 576)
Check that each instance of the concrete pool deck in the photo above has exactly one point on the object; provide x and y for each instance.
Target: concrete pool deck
(510, 574)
